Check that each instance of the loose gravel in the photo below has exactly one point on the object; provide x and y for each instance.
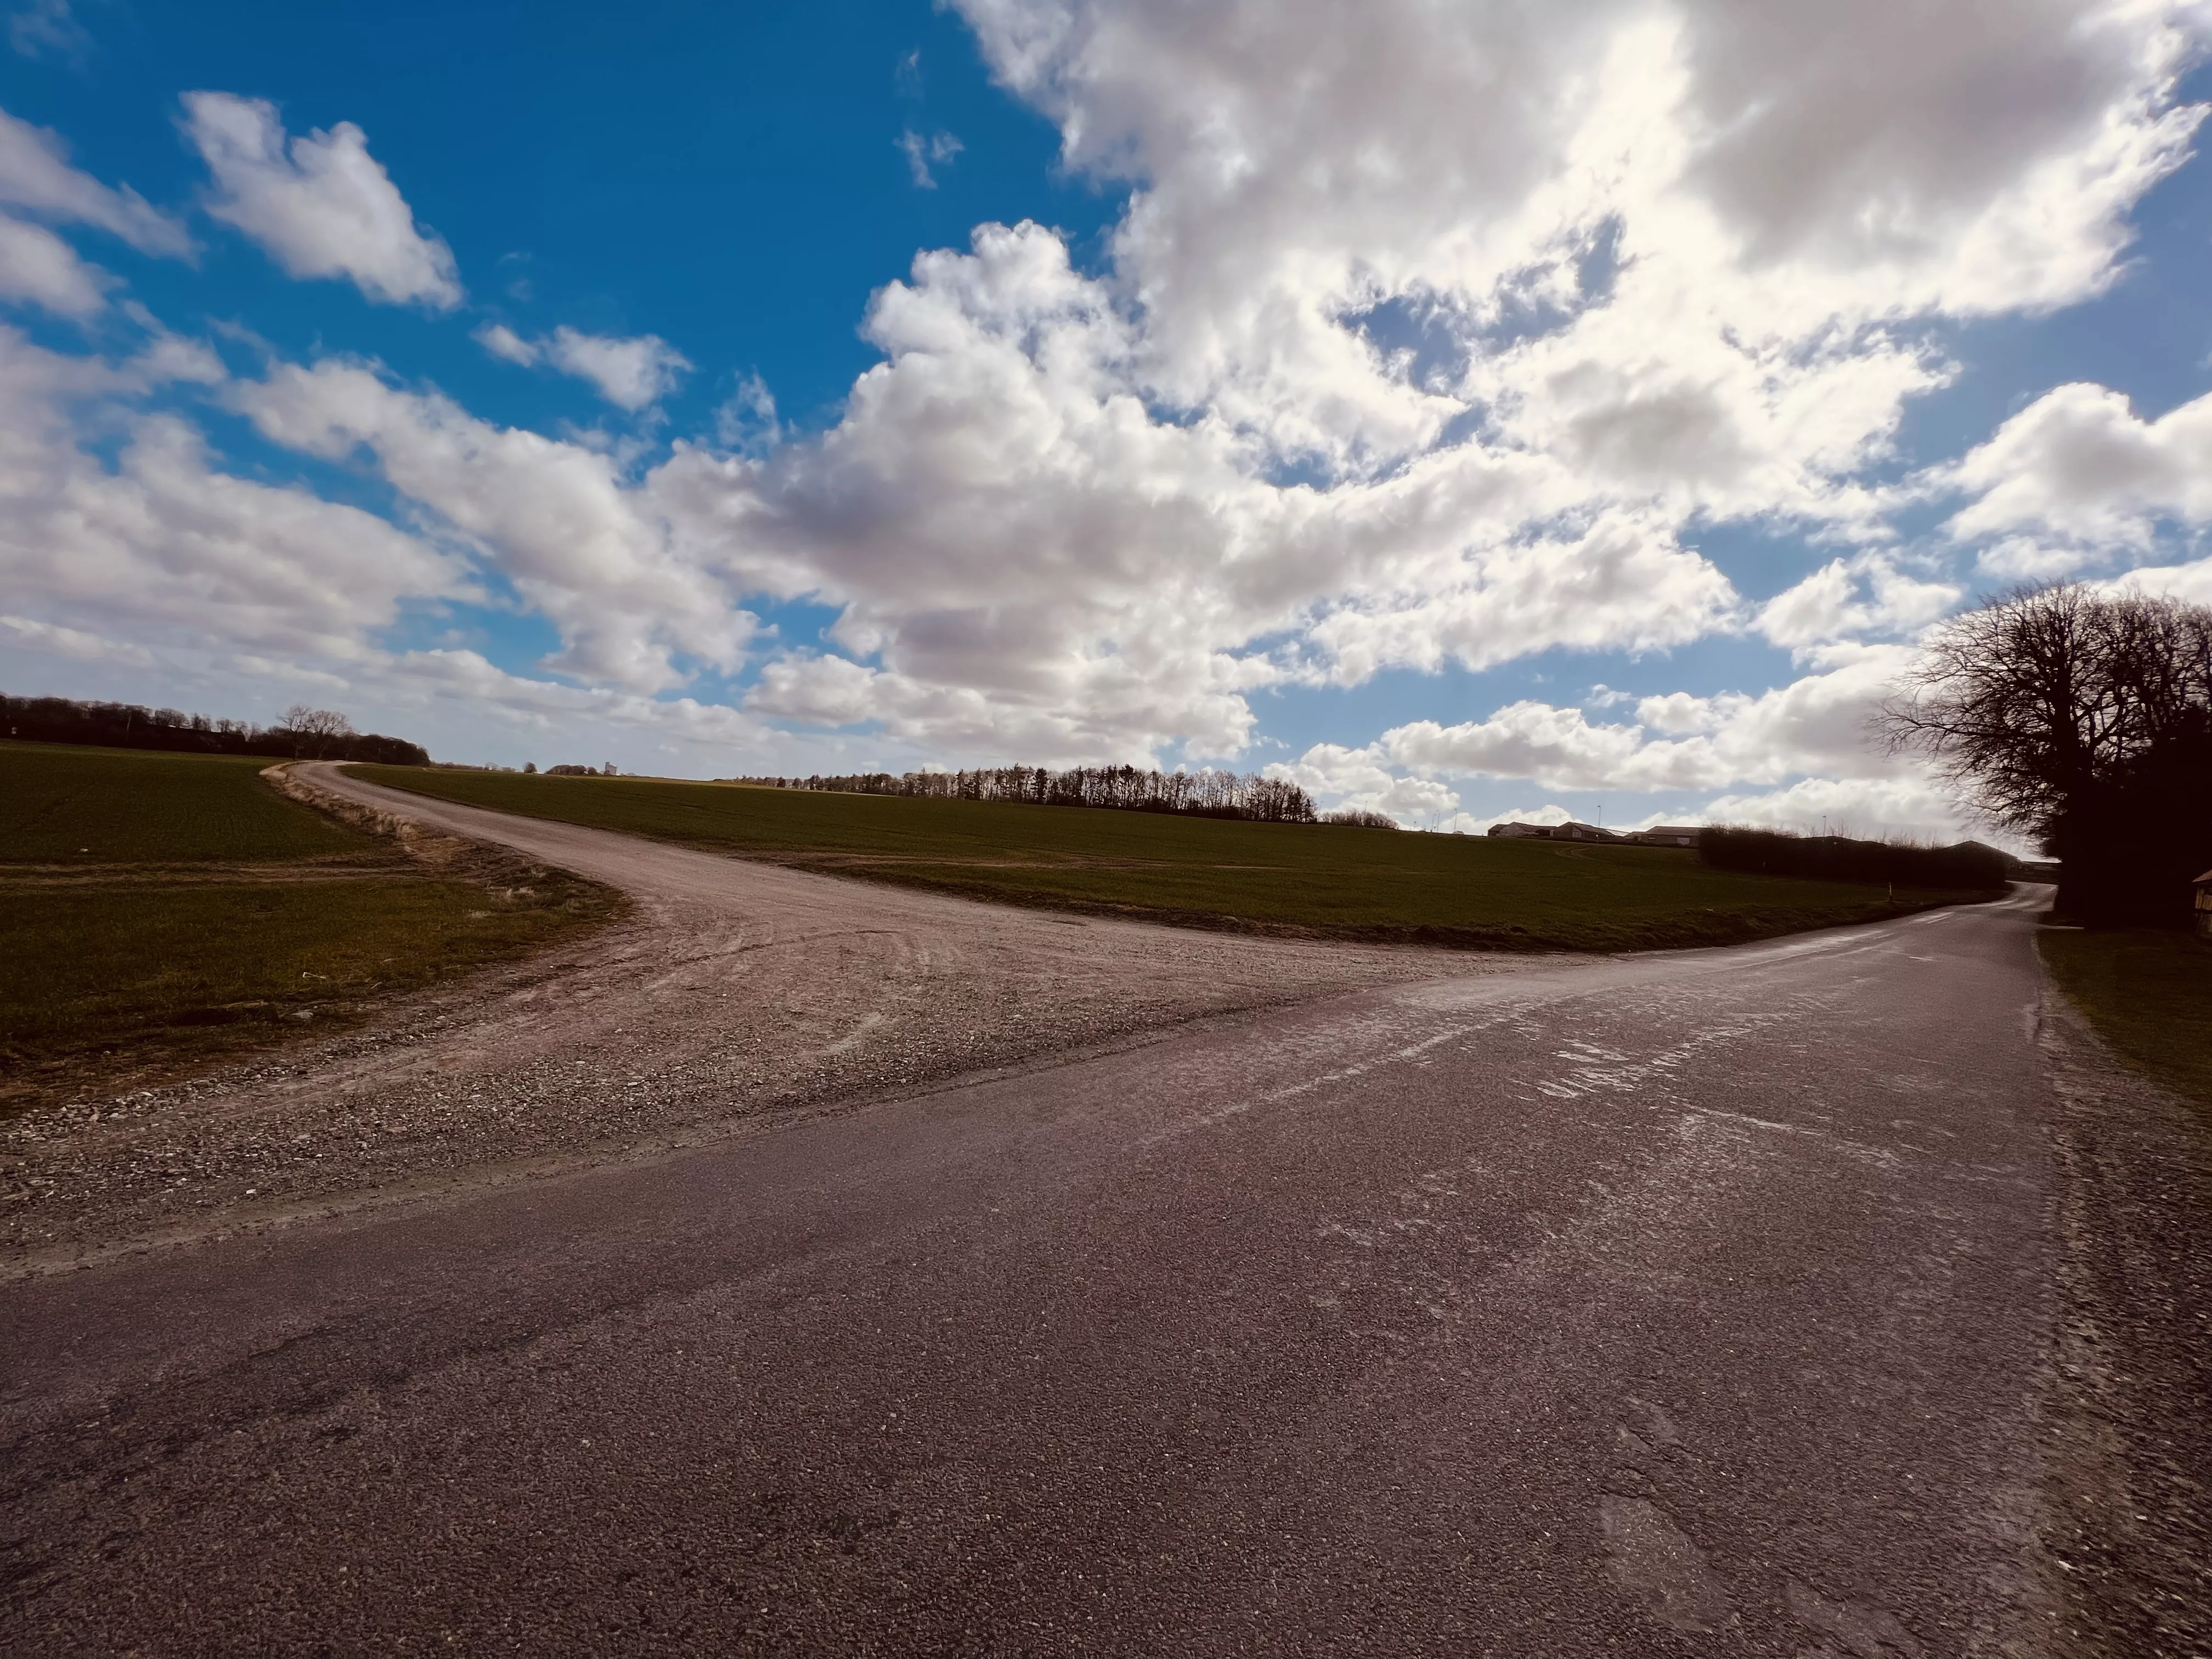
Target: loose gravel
(735, 995)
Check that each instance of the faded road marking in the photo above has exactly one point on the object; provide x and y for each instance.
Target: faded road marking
(1654, 1560)
(1868, 1633)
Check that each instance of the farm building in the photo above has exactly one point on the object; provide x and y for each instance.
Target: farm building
(1667, 835)
(1554, 831)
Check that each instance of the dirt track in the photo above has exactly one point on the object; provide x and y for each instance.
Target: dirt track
(738, 994)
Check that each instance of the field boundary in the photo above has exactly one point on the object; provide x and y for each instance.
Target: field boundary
(450, 857)
(1727, 927)
(989, 864)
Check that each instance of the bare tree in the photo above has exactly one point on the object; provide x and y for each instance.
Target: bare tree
(2084, 721)
(315, 728)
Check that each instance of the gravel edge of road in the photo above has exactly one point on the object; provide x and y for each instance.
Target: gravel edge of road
(2127, 1520)
(200, 1159)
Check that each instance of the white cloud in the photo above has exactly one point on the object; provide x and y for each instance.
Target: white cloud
(629, 373)
(1640, 330)
(747, 419)
(1618, 584)
(554, 519)
(48, 26)
(163, 548)
(1676, 742)
(1865, 594)
(2191, 583)
(46, 640)
(37, 178)
(2077, 478)
(504, 343)
(922, 154)
(1358, 779)
(1780, 179)
(1874, 809)
(1431, 335)
(320, 205)
(38, 268)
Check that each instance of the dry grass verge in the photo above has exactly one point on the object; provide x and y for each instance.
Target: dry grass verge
(2149, 995)
(118, 972)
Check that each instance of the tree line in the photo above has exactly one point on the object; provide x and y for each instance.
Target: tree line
(2083, 720)
(1209, 793)
(1840, 857)
(305, 733)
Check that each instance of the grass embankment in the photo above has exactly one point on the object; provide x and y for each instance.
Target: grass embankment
(1319, 878)
(159, 912)
(2149, 995)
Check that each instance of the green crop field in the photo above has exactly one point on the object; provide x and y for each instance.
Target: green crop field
(159, 912)
(65, 805)
(2149, 995)
(1322, 879)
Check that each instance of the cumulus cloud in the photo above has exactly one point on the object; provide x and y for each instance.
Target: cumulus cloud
(164, 547)
(1676, 742)
(1638, 330)
(320, 205)
(1429, 337)
(629, 373)
(1802, 749)
(554, 519)
(1866, 594)
(1775, 182)
(2077, 478)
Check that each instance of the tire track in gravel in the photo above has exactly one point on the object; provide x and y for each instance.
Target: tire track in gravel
(739, 993)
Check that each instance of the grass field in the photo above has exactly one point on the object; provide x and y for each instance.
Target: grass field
(2149, 995)
(65, 805)
(159, 911)
(1327, 879)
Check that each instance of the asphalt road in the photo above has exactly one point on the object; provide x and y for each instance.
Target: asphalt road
(1689, 1304)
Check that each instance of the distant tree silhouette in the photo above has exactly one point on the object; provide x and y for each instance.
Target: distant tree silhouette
(1839, 857)
(2084, 720)
(130, 725)
(1208, 793)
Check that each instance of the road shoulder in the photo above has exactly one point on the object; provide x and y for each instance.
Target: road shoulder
(2128, 1514)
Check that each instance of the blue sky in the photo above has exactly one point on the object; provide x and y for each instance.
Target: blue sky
(550, 384)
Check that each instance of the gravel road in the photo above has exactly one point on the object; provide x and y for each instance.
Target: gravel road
(739, 994)
(1768, 1301)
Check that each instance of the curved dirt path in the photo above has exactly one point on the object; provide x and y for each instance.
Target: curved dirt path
(738, 991)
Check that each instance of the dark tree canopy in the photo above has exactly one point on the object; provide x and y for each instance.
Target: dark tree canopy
(329, 735)
(2083, 720)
